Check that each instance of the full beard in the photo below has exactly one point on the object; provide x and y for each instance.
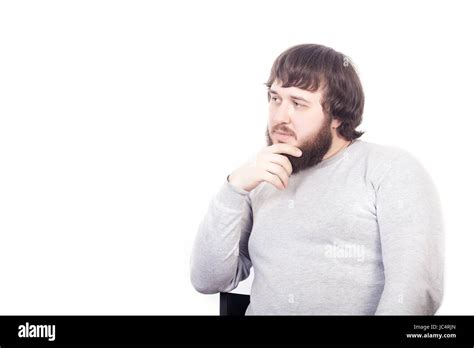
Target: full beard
(313, 148)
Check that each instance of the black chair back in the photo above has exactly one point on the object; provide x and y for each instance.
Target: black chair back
(233, 304)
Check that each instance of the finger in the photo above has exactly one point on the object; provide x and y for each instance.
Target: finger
(285, 148)
(281, 160)
(279, 171)
(272, 179)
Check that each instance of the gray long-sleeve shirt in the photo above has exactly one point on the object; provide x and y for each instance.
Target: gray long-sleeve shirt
(359, 233)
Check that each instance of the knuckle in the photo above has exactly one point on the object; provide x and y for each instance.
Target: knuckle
(282, 172)
(276, 180)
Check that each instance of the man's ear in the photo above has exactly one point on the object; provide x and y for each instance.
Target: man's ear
(335, 123)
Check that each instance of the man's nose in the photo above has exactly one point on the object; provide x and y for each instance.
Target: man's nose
(283, 114)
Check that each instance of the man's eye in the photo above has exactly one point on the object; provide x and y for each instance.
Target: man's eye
(299, 105)
(296, 104)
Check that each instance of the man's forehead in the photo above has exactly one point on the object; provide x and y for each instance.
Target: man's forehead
(276, 86)
(296, 93)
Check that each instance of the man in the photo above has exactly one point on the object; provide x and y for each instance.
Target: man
(330, 223)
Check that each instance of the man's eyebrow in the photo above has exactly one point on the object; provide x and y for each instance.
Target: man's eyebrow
(271, 91)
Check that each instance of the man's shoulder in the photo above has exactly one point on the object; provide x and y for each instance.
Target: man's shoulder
(376, 153)
(380, 158)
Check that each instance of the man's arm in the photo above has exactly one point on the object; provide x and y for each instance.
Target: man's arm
(220, 258)
(412, 239)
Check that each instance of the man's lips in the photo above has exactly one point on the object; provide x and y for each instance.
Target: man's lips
(284, 137)
(284, 134)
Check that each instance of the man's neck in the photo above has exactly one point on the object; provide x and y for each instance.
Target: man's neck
(337, 145)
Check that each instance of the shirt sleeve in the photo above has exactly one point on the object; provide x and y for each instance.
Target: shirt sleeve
(220, 257)
(412, 239)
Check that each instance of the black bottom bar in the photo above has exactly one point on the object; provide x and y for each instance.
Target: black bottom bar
(228, 330)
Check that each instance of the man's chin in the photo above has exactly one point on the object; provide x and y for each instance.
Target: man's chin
(314, 148)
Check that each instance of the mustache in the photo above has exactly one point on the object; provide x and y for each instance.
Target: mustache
(283, 130)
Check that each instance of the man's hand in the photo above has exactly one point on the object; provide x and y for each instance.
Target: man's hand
(268, 165)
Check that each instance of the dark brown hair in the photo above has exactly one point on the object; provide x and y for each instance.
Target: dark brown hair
(310, 66)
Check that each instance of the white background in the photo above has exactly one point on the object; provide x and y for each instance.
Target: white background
(119, 120)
